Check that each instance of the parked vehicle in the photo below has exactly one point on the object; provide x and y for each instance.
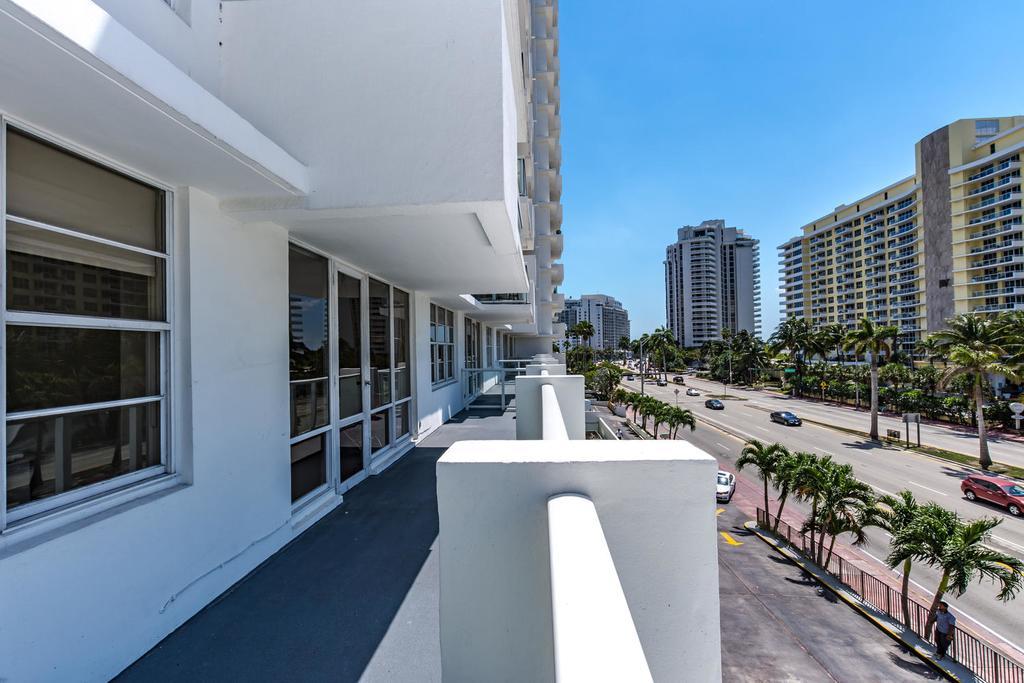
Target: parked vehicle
(679, 379)
(692, 392)
(1002, 492)
(725, 486)
(631, 378)
(714, 404)
(786, 418)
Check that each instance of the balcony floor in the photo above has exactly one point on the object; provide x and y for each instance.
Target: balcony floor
(355, 598)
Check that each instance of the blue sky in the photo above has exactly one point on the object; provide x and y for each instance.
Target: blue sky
(766, 114)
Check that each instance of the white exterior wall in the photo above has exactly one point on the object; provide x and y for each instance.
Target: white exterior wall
(155, 563)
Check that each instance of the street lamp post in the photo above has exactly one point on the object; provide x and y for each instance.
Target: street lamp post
(642, 368)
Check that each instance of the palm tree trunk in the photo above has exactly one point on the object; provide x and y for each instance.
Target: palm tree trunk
(939, 592)
(905, 594)
(814, 521)
(778, 516)
(874, 397)
(767, 511)
(829, 559)
(979, 400)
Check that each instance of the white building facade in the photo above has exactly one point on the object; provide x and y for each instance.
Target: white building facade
(256, 251)
(609, 318)
(712, 282)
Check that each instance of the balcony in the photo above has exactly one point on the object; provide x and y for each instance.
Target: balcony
(989, 170)
(1006, 244)
(995, 231)
(995, 215)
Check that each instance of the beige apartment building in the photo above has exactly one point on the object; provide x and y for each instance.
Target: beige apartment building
(945, 240)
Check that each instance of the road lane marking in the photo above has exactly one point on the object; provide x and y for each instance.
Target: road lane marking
(879, 488)
(926, 488)
(1009, 543)
(760, 427)
(720, 445)
(719, 511)
(729, 539)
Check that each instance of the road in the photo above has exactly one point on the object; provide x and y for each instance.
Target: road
(953, 438)
(885, 468)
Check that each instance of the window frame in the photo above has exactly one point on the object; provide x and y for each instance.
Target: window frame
(91, 496)
(448, 315)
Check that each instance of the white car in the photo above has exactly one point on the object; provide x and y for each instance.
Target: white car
(692, 392)
(725, 486)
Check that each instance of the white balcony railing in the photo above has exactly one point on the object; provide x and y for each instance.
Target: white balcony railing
(567, 559)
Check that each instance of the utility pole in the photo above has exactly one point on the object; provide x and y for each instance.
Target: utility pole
(643, 368)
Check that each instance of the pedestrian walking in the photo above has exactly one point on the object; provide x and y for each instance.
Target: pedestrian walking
(945, 626)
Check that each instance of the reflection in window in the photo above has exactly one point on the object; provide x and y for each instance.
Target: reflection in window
(87, 355)
(442, 344)
(307, 301)
(51, 272)
(50, 455)
(402, 419)
(380, 353)
(50, 367)
(380, 430)
(401, 309)
(349, 347)
(350, 450)
(309, 466)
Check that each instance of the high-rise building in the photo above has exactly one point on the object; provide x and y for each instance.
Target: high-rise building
(244, 281)
(945, 240)
(712, 282)
(606, 314)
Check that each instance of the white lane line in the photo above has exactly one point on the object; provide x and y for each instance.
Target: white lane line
(926, 488)
(760, 427)
(879, 488)
(929, 592)
(720, 444)
(1009, 543)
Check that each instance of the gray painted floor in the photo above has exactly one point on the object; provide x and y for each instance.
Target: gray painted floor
(355, 598)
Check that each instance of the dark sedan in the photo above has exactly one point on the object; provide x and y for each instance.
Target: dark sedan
(714, 404)
(786, 418)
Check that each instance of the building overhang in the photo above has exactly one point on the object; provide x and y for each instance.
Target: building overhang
(69, 69)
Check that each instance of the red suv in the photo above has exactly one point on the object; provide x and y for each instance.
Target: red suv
(1002, 492)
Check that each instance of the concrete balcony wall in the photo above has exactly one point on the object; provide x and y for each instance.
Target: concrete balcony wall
(496, 610)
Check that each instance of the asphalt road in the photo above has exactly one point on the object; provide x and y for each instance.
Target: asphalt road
(886, 469)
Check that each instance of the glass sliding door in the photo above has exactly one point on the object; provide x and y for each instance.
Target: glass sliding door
(380, 347)
(403, 374)
(351, 402)
(308, 285)
(472, 356)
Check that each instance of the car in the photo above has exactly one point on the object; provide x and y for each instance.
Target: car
(631, 378)
(1002, 492)
(662, 383)
(786, 418)
(679, 379)
(692, 392)
(725, 486)
(714, 404)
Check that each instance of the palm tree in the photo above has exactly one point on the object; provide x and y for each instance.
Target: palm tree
(895, 514)
(624, 346)
(846, 507)
(787, 476)
(975, 346)
(765, 458)
(830, 338)
(796, 336)
(680, 417)
(660, 344)
(929, 348)
(873, 340)
(959, 549)
(585, 331)
(810, 487)
(978, 364)
(661, 415)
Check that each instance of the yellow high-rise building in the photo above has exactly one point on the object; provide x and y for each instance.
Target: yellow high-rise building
(945, 240)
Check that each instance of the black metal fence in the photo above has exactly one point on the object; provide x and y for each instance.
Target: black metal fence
(987, 663)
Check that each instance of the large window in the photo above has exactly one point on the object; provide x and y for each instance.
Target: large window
(308, 361)
(442, 345)
(86, 327)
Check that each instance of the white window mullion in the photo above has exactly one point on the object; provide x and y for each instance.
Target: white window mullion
(3, 326)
